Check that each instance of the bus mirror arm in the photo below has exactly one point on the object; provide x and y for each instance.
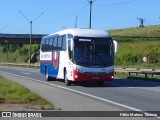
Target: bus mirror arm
(115, 46)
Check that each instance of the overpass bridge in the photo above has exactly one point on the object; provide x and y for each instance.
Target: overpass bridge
(20, 38)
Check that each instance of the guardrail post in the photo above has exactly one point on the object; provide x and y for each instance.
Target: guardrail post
(146, 75)
(129, 74)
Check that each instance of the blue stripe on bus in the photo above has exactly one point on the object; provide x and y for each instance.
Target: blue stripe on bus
(52, 71)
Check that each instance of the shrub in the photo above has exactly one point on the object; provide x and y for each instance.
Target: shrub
(23, 51)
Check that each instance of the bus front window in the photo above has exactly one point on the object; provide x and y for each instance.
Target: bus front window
(94, 52)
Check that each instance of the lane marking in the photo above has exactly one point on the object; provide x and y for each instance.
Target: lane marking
(25, 73)
(76, 91)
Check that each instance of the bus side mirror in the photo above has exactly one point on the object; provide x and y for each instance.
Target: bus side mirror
(115, 44)
(71, 46)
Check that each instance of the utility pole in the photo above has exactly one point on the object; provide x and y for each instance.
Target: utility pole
(90, 18)
(6, 41)
(76, 22)
(30, 21)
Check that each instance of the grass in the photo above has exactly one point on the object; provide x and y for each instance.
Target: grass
(16, 53)
(147, 31)
(13, 93)
(132, 53)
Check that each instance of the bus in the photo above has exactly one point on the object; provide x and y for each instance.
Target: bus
(78, 55)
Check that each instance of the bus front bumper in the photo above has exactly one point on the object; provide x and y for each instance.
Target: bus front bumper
(84, 77)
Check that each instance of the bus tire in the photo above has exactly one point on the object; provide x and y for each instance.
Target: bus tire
(48, 78)
(67, 82)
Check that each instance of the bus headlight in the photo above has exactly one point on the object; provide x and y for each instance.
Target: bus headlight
(76, 76)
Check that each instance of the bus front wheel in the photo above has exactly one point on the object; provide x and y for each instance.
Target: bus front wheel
(67, 82)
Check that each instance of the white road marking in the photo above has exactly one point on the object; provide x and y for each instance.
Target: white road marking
(25, 73)
(83, 93)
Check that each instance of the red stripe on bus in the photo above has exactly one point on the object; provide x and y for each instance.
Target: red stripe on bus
(45, 60)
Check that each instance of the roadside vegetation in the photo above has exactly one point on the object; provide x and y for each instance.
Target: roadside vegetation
(131, 54)
(13, 93)
(137, 43)
(17, 53)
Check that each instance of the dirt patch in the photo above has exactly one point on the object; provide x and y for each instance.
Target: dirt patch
(23, 107)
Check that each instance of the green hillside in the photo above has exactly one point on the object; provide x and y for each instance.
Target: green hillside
(147, 31)
(132, 53)
(136, 43)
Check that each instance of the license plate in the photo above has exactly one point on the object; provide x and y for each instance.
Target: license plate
(95, 78)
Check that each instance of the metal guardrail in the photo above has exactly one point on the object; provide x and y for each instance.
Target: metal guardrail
(130, 71)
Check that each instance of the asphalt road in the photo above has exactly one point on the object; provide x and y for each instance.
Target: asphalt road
(134, 95)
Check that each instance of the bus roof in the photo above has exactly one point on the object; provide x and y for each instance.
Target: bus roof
(83, 32)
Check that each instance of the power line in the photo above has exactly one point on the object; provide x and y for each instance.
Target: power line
(3, 27)
(127, 2)
(67, 15)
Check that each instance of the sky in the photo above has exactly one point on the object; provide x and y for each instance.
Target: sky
(61, 14)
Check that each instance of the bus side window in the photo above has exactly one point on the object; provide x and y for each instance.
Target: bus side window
(46, 45)
(50, 44)
(69, 36)
(43, 45)
(64, 43)
(59, 43)
(69, 50)
(55, 44)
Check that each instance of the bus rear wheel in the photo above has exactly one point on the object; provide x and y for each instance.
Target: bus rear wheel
(67, 82)
(48, 78)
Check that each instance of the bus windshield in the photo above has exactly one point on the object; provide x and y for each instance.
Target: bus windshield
(93, 52)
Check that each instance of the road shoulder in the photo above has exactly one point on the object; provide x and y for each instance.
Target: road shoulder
(62, 99)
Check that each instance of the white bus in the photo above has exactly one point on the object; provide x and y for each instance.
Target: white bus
(78, 55)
